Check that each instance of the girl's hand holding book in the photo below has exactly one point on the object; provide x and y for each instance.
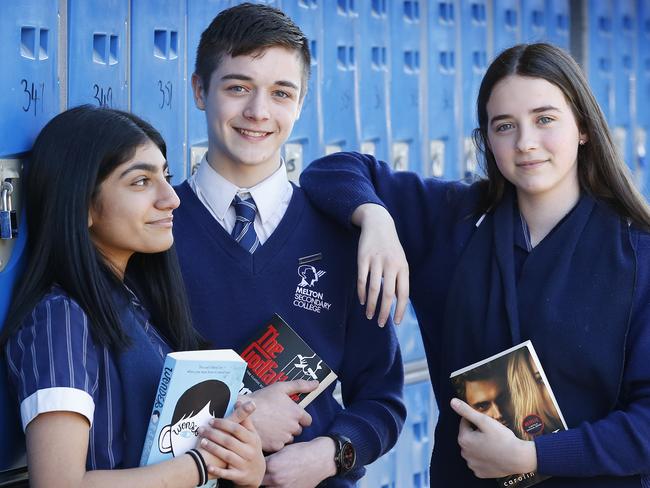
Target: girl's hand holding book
(490, 448)
(233, 448)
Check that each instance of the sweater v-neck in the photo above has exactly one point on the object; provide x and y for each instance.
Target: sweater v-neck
(191, 208)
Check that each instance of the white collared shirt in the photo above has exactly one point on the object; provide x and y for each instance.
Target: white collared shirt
(272, 197)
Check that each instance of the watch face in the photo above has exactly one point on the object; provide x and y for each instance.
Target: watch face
(348, 456)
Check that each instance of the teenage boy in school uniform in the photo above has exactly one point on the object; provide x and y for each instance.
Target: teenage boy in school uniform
(251, 245)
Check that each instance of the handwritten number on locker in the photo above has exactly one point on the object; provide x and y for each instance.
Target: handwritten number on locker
(166, 92)
(104, 97)
(31, 92)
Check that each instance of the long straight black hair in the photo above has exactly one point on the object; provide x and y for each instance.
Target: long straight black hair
(72, 156)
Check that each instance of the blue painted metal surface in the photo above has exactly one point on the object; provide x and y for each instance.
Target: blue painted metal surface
(306, 141)
(533, 25)
(339, 100)
(474, 63)
(624, 65)
(97, 53)
(199, 15)
(558, 21)
(506, 24)
(372, 45)
(406, 104)
(29, 90)
(395, 77)
(157, 73)
(441, 110)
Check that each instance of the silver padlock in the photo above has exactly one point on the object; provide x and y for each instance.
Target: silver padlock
(5, 210)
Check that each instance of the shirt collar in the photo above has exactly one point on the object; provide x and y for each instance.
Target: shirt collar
(220, 192)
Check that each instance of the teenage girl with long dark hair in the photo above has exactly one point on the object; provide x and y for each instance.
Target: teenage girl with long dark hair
(99, 305)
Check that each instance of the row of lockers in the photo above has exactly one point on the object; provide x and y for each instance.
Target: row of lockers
(397, 78)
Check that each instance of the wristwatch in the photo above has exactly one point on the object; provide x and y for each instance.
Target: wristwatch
(344, 455)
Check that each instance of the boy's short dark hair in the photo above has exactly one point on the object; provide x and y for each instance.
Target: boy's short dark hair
(245, 29)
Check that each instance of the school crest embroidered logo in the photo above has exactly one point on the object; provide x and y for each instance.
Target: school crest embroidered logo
(306, 296)
(309, 275)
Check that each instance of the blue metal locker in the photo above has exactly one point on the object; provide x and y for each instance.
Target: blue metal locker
(30, 97)
(306, 141)
(624, 65)
(381, 473)
(372, 44)
(157, 73)
(13, 446)
(416, 442)
(600, 54)
(410, 339)
(199, 15)
(558, 22)
(474, 63)
(339, 68)
(97, 53)
(406, 105)
(533, 25)
(506, 24)
(442, 90)
(642, 96)
(30, 90)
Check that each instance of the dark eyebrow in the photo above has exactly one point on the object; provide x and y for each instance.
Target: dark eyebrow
(151, 168)
(287, 84)
(237, 76)
(545, 108)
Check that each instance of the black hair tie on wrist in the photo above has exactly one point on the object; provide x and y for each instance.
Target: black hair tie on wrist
(200, 465)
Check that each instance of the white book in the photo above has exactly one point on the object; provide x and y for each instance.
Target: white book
(194, 387)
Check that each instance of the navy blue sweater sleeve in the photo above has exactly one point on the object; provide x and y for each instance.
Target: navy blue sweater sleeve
(339, 183)
(372, 380)
(618, 444)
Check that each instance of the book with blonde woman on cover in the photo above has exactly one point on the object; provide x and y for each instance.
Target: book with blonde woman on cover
(511, 387)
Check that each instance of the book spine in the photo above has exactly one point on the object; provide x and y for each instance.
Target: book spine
(159, 402)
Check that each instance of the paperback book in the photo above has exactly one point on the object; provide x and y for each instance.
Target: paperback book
(278, 353)
(194, 387)
(511, 387)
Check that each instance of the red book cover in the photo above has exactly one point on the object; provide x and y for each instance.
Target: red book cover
(278, 353)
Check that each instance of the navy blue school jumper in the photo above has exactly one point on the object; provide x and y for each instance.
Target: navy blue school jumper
(582, 296)
(56, 365)
(232, 294)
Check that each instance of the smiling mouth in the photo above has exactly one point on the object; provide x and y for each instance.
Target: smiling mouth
(166, 222)
(531, 164)
(252, 133)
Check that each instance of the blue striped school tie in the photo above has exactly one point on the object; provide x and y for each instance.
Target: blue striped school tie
(244, 230)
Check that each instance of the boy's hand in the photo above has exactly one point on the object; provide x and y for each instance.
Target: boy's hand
(277, 418)
(301, 465)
